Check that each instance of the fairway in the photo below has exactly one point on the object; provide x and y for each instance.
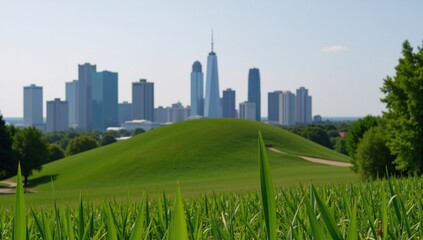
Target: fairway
(207, 155)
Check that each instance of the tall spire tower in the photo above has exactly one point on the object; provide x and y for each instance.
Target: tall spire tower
(212, 104)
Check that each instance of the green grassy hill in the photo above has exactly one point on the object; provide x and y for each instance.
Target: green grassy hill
(204, 155)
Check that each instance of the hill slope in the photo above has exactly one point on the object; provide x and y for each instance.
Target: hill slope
(204, 154)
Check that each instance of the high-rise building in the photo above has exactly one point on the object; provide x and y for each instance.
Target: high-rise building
(175, 113)
(197, 90)
(125, 112)
(303, 106)
(33, 105)
(161, 114)
(212, 105)
(247, 110)
(85, 75)
(228, 105)
(254, 90)
(72, 99)
(57, 115)
(287, 109)
(178, 113)
(143, 100)
(104, 100)
(273, 99)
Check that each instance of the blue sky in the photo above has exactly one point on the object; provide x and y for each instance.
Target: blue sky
(341, 51)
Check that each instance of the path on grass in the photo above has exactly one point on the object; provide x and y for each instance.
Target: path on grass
(10, 188)
(317, 160)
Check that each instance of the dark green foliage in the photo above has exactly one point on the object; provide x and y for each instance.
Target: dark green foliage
(404, 116)
(355, 133)
(373, 158)
(7, 162)
(315, 133)
(81, 144)
(56, 152)
(31, 150)
(138, 131)
(107, 139)
(340, 145)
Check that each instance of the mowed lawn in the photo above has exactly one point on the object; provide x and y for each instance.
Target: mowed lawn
(205, 156)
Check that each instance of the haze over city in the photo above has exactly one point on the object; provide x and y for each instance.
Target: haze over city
(340, 52)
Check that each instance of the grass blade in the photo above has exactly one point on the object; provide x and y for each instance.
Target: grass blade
(137, 231)
(178, 226)
(352, 231)
(267, 191)
(19, 222)
(327, 216)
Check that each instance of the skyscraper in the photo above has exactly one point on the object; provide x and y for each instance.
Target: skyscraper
(57, 115)
(125, 112)
(33, 105)
(287, 109)
(85, 75)
(273, 99)
(143, 100)
(303, 106)
(104, 100)
(228, 105)
(212, 105)
(72, 99)
(247, 110)
(197, 90)
(254, 90)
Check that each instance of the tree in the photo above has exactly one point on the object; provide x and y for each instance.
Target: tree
(81, 144)
(56, 152)
(355, 133)
(373, 157)
(8, 164)
(138, 131)
(404, 116)
(315, 133)
(107, 139)
(340, 145)
(31, 149)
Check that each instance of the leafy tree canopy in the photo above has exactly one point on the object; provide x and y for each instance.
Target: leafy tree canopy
(404, 104)
(373, 157)
(56, 152)
(81, 144)
(355, 133)
(7, 161)
(31, 149)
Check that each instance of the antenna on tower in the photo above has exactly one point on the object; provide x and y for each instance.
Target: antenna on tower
(212, 40)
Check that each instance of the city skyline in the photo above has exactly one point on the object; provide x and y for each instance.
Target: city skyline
(334, 49)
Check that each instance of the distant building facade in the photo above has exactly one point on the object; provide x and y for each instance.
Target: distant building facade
(104, 100)
(57, 115)
(287, 109)
(254, 95)
(33, 105)
(85, 75)
(247, 110)
(303, 106)
(175, 113)
(273, 102)
(124, 112)
(228, 103)
(72, 99)
(143, 100)
(197, 90)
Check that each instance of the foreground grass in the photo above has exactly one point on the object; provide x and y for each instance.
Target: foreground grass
(382, 209)
(339, 212)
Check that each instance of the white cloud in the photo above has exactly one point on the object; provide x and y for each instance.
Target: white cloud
(335, 49)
